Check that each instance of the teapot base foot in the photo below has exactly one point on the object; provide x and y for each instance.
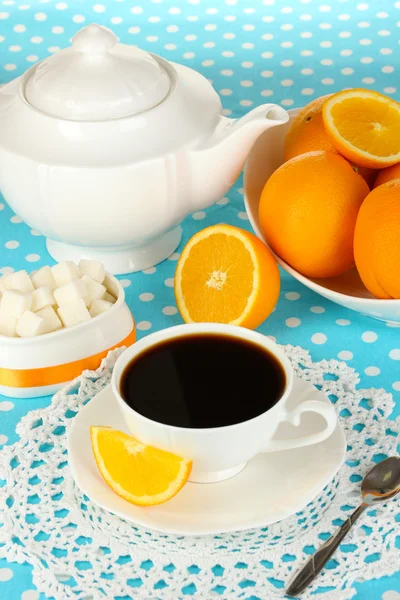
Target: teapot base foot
(120, 261)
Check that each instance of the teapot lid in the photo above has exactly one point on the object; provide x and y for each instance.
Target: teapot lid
(97, 79)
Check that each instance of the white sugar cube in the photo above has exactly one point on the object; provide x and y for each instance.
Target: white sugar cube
(74, 313)
(50, 316)
(30, 324)
(99, 306)
(19, 281)
(44, 278)
(14, 302)
(7, 324)
(109, 298)
(95, 289)
(42, 297)
(93, 268)
(74, 290)
(64, 272)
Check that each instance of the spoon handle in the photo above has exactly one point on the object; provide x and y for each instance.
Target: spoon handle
(319, 559)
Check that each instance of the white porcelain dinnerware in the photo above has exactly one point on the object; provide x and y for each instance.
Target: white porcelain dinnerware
(347, 289)
(105, 148)
(271, 487)
(220, 452)
(41, 365)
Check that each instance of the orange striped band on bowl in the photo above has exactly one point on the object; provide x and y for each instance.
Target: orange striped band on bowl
(59, 373)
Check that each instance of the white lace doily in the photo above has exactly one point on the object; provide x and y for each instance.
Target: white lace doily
(80, 551)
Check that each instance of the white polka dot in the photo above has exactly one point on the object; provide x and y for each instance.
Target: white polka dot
(4, 15)
(267, 54)
(327, 62)
(170, 28)
(6, 270)
(292, 322)
(372, 371)
(346, 52)
(125, 282)
(35, 233)
(247, 46)
(345, 355)
(286, 63)
(30, 595)
(209, 45)
(169, 282)
(61, 5)
(386, 50)
(292, 296)
(15, 48)
(6, 574)
(395, 354)
(143, 325)
(12, 244)
(225, 92)
(347, 71)
(174, 256)
(319, 338)
(146, 297)
(149, 271)
(305, 17)
(16, 219)
(325, 8)
(287, 82)
(327, 81)
(287, 102)
(286, 44)
(384, 33)
(318, 310)
(267, 73)
(116, 20)
(248, 27)
(170, 46)
(40, 16)
(396, 386)
(364, 24)
(246, 103)
(362, 6)
(365, 42)
(5, 406)
(32, 257)
(10, 67)
(382, 15)
(369, 337)
(243, 216)
(152, 38)
(266, 92)
(32, 58)
(342, 322)
(307, 91)
(36, 39)
(99, 8)
(170, 310)
(368, 80)
(189, 55)
(1, 206)
(198, 216)
(19, 28)
(57, 29)
(78, 19)
(306, 71)
(3, 439)
(389, 90)
(226, 111)
(246, 83)
(387, 69)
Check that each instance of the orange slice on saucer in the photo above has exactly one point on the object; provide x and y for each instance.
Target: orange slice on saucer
(364, 127)
(226, 275)
(140, 474)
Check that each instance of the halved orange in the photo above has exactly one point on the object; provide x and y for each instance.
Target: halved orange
(226, 275)
(364, 127)
(140, 474)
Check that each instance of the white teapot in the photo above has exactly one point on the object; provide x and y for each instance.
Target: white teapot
(105, 148)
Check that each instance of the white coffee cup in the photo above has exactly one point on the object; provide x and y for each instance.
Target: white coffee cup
(221, 452)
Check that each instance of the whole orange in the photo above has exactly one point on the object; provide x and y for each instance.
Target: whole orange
(307, 133)
(308, 211)
(377, 241)
(388, 174)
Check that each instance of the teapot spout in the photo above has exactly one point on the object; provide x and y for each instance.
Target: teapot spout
(218, 161)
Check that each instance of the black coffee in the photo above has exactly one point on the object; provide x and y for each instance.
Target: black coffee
(203, 380)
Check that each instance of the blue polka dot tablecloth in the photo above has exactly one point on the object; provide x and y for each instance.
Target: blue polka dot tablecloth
(288, 51)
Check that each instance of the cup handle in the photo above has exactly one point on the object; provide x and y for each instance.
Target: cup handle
(294, 416)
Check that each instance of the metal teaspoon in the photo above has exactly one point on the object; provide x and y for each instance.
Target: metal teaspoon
(381, 483)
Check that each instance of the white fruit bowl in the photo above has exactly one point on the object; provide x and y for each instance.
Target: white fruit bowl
(347, 290)
(41, 365)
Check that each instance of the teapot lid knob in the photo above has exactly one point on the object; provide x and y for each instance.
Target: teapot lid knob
(94, 39)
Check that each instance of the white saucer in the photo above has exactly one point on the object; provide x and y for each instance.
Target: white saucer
(270, 488)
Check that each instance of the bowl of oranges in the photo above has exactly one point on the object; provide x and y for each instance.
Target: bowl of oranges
(323, 192)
